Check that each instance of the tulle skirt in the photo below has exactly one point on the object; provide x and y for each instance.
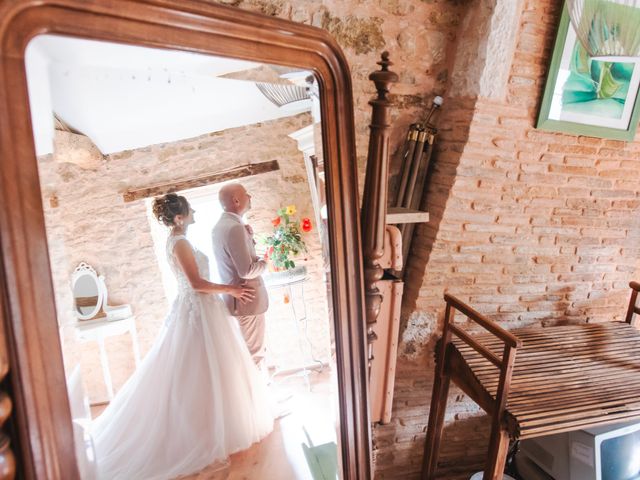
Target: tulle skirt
(196, 398)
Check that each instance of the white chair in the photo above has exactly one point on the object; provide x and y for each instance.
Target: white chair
(81, 418)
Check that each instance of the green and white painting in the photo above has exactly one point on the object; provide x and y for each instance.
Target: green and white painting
(596, 88)
(586, 96)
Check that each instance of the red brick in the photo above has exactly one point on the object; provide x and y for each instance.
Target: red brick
(618, 173)
(589, 141)
(580, 161)
(568, 148)
(573, 170)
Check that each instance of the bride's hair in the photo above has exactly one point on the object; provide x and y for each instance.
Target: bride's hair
(166, 208)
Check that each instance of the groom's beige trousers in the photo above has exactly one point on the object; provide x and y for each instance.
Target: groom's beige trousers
(252, 328)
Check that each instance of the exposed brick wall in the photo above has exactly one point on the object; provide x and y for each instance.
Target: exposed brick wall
(530, 227)
(89, 221)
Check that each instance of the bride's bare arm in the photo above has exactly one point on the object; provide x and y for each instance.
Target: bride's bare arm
(187, 261)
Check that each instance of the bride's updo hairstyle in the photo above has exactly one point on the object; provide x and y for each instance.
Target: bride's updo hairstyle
(166, 208)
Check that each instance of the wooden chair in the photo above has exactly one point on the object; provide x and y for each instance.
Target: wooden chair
(566, 378)
(633, 307)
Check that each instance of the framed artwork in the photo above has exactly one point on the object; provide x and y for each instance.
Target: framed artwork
(589, 97)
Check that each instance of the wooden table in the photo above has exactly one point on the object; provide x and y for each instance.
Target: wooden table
(564, 378)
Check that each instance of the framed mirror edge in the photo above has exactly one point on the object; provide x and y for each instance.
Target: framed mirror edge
(37, 373)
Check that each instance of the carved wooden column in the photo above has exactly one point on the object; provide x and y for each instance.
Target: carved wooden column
(374, 204)
(7, 458)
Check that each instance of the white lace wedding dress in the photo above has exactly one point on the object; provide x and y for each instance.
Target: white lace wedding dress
(196, 398)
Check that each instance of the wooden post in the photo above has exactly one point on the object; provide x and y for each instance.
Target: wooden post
(374, 204)
(499, 440)
(7, 458)
(439, 396)
(633, 308)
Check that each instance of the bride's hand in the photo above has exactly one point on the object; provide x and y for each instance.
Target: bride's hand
(242, 293)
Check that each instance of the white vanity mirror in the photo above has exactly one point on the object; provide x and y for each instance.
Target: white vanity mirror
(98, 320)
(87, 293)
(90, 296)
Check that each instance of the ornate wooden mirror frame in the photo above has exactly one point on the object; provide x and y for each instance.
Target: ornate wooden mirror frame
(37, 381)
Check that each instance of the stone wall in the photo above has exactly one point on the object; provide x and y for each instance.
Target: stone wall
(87, 220)
(419, 34)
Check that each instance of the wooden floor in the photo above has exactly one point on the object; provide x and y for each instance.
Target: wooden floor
(280, 455)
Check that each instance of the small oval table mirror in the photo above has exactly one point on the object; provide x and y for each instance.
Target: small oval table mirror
(98, 320)
(87, 293)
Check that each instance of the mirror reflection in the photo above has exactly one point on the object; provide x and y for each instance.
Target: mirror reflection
(191, 189)
(86, 292)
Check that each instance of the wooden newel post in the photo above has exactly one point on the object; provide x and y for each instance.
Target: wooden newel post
(374, 204)
(7, 457)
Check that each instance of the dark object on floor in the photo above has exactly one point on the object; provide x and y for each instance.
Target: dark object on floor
(525, 469)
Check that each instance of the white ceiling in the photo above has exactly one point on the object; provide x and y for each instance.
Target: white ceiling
(125, 97)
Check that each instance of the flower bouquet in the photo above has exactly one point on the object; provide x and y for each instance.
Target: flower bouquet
(286, 240)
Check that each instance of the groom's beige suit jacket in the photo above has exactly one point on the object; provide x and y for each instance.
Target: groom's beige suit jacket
(237, 261)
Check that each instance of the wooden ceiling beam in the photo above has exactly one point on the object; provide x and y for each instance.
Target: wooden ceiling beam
(134, 194)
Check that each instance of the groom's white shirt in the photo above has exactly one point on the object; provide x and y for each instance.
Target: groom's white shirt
(237, 261)
(235, 215)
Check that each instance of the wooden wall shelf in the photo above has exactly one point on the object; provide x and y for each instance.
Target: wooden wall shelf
(397, 215)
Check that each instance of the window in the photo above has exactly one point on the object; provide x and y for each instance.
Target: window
(204, 200)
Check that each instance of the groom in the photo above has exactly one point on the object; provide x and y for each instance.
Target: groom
(235, 254)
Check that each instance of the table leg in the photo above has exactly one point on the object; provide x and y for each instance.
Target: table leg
(300, 315)
(104, 361)
(134, 343)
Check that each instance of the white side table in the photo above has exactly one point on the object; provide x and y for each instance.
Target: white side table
(98, 330)
(292, 284)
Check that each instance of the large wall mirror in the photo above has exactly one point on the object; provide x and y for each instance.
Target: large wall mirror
(133, 132)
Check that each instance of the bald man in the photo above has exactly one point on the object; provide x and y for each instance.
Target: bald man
(237, 262)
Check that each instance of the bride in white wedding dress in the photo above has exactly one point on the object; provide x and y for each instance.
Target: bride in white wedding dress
(197, 397)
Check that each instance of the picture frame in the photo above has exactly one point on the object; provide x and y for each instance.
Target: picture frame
(589, 97)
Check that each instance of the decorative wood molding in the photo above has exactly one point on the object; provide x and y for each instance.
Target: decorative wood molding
(42, 412)
(245, 171)
(7, 457)
(374, 205)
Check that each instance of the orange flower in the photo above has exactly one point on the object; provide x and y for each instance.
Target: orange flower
(306, 225)
(276, 221)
